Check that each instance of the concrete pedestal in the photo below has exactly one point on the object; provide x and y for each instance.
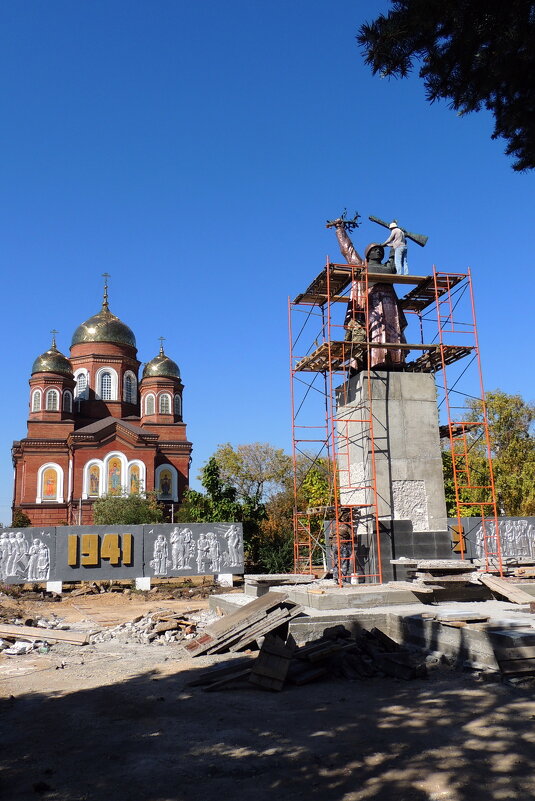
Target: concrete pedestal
(408, 461)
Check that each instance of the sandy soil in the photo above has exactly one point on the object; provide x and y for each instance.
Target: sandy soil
(121, 723)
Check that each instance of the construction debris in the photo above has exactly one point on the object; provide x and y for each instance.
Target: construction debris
(160, 627)
(37, 634)
(238, 630)
(336, 654)
(506, 589)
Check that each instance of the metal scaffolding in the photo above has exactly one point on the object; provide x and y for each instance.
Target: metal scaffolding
(442, 325)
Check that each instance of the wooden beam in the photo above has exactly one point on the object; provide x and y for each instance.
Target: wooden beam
(507, 590)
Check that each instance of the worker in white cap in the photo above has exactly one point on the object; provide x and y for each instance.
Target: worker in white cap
(398, 243)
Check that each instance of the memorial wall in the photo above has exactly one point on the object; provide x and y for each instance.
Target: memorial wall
(81, 553)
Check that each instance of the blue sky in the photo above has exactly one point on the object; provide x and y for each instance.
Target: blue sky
(194, 152)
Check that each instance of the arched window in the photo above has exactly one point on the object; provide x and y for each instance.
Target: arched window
(105, 386)
(52, 400)
(36, 400)
(149, 404)
(93, 481)
(165, 404)
(67, 401)
(177, 403)
(129, 387)
(49, 483)
(81, 386)
(166, 482)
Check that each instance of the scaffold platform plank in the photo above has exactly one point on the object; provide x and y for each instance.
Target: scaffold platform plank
(340, 279)
(423, 295)
(416, 300)
(431, 361)
(339, 354)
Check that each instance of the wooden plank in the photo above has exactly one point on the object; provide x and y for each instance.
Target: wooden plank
(502, 587)
(242, 674)
(270, 624)
(240, 619)
(34, 633)
(220, 671)
(272, 664)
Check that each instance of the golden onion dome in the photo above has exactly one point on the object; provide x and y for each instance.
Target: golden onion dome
(52, 361)
(104, 327)
(161, 367)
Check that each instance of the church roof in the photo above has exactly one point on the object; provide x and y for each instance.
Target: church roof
(104, 327)
(52, 361)
(161, 367)
(100, 426)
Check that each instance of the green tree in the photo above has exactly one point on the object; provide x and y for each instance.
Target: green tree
(220, 503)
(512, 445)
(255, 470)
(473, 53)
(127, 510)
(20, 520)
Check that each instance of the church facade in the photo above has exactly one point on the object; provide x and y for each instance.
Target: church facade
(95, 428)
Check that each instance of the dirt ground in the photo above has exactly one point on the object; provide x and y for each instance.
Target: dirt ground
(119, 722)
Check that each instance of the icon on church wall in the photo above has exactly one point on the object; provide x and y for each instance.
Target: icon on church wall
(114, 476)
(166, 484)
(134, 480)
(94, 480)
(50, 484)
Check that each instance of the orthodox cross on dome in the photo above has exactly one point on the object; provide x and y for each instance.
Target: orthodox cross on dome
(54, 346)
(162, 340)
(105, 298)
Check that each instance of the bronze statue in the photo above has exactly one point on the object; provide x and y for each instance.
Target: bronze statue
(385, 316)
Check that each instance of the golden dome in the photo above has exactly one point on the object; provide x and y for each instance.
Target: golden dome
(161, 367)
(104, 327)
(52, 361)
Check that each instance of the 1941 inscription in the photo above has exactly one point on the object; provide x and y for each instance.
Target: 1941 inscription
(89, 550)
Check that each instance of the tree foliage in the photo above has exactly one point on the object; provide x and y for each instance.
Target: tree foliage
(473, 53)
(220, 504)
(256, 470)
(20, 520)
(512, 444)
(126, 510)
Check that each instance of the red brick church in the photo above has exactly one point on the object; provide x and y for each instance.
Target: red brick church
(95, 429)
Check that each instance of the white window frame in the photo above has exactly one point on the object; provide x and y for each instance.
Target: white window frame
(142, 475)
(49, 393)
(174, 480)
(85, 484)
(37, 393)
(67, 396)
(85, 392)
(131, 375)
(177, 405)
(114, 383)
(145, 402)
(59, 474)
(161, 397)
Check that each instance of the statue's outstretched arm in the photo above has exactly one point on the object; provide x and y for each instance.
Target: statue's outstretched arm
(346, 245)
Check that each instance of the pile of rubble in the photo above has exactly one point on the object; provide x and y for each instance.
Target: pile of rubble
(159, 628)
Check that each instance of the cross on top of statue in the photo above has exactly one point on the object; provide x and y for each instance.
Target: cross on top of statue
(162, 340)
(54, 332)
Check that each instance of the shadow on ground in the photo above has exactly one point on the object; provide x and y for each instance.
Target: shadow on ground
(154, 738)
